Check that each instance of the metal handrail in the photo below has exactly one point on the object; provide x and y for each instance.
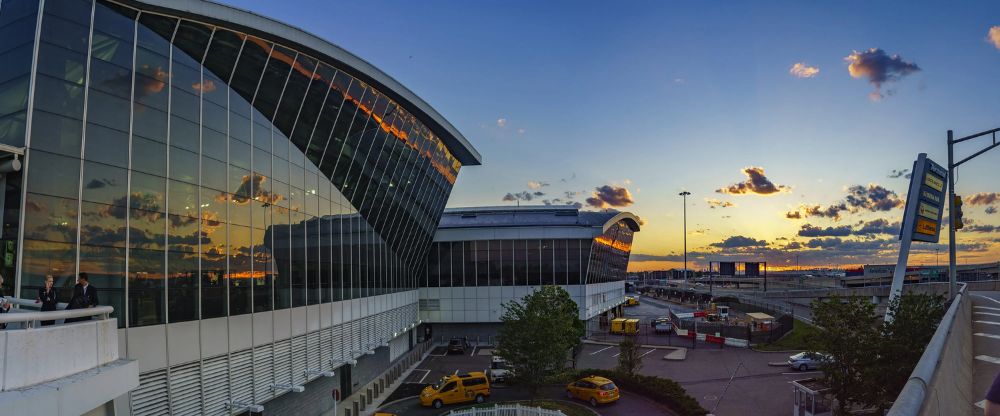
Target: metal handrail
(29, 317)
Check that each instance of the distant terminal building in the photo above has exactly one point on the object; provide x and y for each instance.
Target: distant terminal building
(881, 274)
(484, 257)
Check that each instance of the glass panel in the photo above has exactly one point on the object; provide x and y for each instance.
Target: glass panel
(146, 288)
(240, 278)
(57, 134)
(262, 271)
(50, 218)
(182, 286)
(149, 156)
(53, 174)
(104, 184)
(106, 145)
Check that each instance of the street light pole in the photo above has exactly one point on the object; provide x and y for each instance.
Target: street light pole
(684, 196)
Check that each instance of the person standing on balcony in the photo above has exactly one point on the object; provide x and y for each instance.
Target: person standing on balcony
(47, 297)
(84, 296)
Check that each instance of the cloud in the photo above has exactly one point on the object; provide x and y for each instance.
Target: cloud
(824, 242)
(537, 184)
(832, 211)
(793, 215)
(501, 122)
(519, 196)
(879, 68)
(715, 203)
(877, 226)
(993, 36)
(520, 131)
(899, 173)
(981, 228)
(756, 183)
(802, 70)
(983, 198)
(872, 198)
(610, 196)
(538, 193)
(991, 210)
(809, 230)
(739, 241)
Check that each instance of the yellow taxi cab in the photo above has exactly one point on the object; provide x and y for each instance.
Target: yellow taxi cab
(593, 389)
(631, 301)
(456, 388)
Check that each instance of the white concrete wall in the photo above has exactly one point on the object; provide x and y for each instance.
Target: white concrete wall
(485, 303)
(33, 356)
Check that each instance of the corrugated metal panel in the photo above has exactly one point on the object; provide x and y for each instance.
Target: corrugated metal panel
(241, 374)
(215, 378)
(314, 353)
(185, 389)
(283, 362)
(325, 346)
(338, 342)
(263, 370)
(398, 346)
(150, 398)
(299, 359)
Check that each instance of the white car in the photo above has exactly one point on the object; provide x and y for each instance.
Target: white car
(804, 361)
(500, 370)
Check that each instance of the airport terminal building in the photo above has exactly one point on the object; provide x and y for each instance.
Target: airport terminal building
(484, 257)
(256, 203)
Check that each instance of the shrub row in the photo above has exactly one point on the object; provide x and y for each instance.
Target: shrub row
(662, 390)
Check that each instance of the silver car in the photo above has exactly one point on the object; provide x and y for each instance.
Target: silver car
(804, 361)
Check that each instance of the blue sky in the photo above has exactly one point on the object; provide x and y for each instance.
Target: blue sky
(658, 97)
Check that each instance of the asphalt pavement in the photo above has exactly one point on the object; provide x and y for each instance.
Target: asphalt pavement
(985, 343)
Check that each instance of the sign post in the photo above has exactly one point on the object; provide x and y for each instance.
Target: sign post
(921, 218)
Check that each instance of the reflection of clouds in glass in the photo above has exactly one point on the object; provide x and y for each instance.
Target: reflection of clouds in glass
(153, 82)
(251, 188)
(207, 86)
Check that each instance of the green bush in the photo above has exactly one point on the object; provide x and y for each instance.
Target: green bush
(661, 390)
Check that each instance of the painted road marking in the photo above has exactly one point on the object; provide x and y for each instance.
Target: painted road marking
(986, 297)
(980, 334)
(602, 349)
(986, 307)
(474, 350)
(988, 359)
(647, 352)
(981, 404)
(426, 372)
(802, 372)
(616, 355)
(988, 313)
(987, 322)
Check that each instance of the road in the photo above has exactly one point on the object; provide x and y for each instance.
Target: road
(985, 343)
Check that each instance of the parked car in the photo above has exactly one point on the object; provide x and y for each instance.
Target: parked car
(456, 388)
(807, 360)
(500, 370)
(458, 345)
(594, 390)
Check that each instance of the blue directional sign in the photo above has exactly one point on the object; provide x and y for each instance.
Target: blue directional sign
(925, 201)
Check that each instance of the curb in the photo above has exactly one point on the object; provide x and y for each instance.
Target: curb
(615, 344)
(578, 405)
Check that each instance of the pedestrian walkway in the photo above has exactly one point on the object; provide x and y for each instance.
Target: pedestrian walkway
(985, 343)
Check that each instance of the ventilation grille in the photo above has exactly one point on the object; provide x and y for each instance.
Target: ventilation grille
(338, 342)
(185, 389)
(299, 360)
(241, 374)
(312, 347)
(215, 378)
(325, 346)
(150, 398)
(263, 366)
(283, 362)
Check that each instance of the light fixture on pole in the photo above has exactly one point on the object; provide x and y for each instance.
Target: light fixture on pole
(684, 195)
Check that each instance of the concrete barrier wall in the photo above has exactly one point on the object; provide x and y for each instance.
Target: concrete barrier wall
(33, 356)
(941, 382)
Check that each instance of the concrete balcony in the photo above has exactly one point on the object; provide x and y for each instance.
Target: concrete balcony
(62, 369)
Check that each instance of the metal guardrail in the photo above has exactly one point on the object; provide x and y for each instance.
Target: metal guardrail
(29, 318)
(911, 400)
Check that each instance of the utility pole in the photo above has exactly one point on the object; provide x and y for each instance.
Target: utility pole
(684, 196)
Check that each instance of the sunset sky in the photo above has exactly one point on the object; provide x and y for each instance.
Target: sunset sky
(789, 122)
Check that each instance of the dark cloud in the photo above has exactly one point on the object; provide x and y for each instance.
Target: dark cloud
(809, 230)
(574, 204)
(538, 193)
(983, 198)
(879, 68)
(608, 196)
(756, 183)
(519, 196)
(739, 241)
(872, 198)
(831, 211)
(991, 210)
(981, 228)
(824, 242)
(793, 215)
(900, 173)
(877, 226)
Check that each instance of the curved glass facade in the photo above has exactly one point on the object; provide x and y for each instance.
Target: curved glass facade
(195, 172)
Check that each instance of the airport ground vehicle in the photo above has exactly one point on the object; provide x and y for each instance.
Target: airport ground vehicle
(456, 388)
(625, 326)
(594, 390)
(663, 325)
(631, 301)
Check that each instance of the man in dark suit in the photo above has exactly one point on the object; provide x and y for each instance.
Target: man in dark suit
(84, 296)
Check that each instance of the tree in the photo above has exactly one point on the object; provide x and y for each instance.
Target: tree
(901, 343)
(628, 356)
(537, 334)
(848, 333)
